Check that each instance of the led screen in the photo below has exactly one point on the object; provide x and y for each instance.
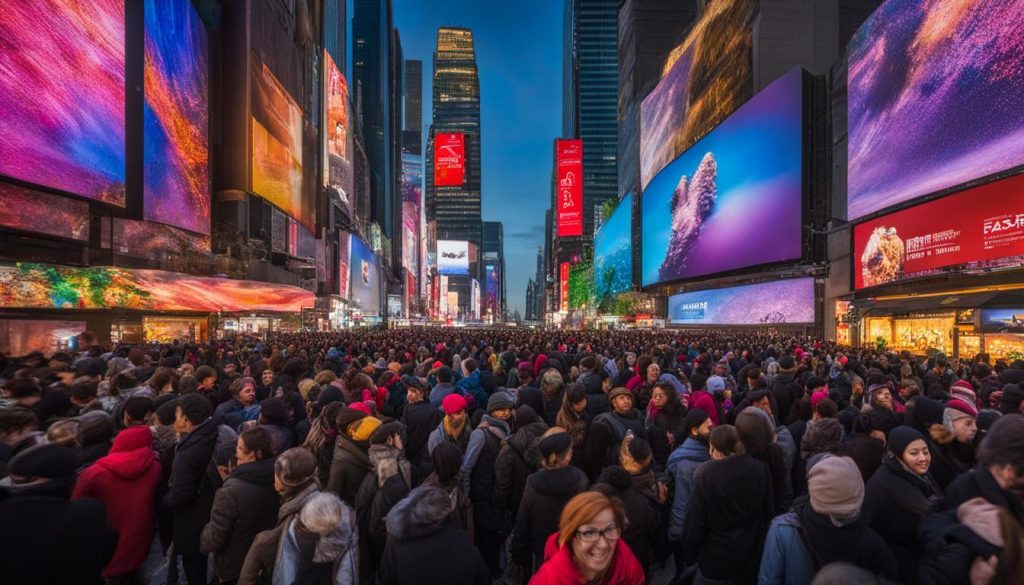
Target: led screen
(62, 96)
(344, 257)
(453, 257)
(23, 336)
(412, 194)
(734, 199)
(1002, 320)
(277, 148)
(365, 280)
(581, 281)
(936, 98)
(563, 285)
(978, 228)
(705, 79)
(62, 287)
(34, 211)
(145, 239)
(449, 160)
(492, 287)
(569, 166)
(337, 136)
(783, 301)
(613, 253)
(176, 177)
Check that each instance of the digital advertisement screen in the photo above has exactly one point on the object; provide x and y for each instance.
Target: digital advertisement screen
(365, 281)
(277, 147)
(34, 211)
(492, 287)
(705, 79)
(22, 336)
(1002, 320)
(41, 286)
(474, 298)
(412, 194)
(581, 280)
(936, 99)
(344, 257)
(176, 171)
(569, 154)
(783, 301)
(613, 253)
(449, 160)
(453, 257)
(144, 239)
(62, 96)
(337, 134)
(734, 199)
(563, 285)
(978, 228)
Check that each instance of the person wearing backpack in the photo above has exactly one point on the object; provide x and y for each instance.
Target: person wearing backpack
(609, 429)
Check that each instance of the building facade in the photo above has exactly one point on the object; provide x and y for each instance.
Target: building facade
(494, 271)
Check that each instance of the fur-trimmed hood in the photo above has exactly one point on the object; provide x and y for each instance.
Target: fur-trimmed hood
(420, 514)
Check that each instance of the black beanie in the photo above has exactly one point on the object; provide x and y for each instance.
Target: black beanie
(525, 415)
(388, 429)
(694, 419)
(47, 461)
(901, 437)
(554, 444)
(274, 411)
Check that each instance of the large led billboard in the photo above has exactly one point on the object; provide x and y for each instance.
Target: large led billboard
(277, 147)
(705, 79)
(365, 280)
(734, 199)
(145, 239)
(563, 285)
(40, 286)
(176, 175)
(453, 257)
(581, 282)
(35, 211)
(978, 228)
(492, 290)
(936, 99)
(344, 259)
(412, 194)
(337, 134)
(782, 301)
(62, 96)
(449, 160)
(613, 253)
(569, 174)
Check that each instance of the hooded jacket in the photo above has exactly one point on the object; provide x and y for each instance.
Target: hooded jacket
(192, 485)
(546, 494)
(126, 481)
(478, 472)
(350, 465)
(420, 420)
(560, 569)
(313, 559)
(471, 385)
(517, 459)
(682, 464)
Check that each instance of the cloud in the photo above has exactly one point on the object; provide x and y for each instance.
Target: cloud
(531, 232)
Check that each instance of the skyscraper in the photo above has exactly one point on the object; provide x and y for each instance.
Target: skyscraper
(494, 268)
(455, 210)
(414, 95)
(334, 32)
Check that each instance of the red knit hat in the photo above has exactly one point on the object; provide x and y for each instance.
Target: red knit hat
(962, 406)
(453, 403)
(963, 390)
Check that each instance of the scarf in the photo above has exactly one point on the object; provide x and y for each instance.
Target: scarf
(389, 462)
(453, 431)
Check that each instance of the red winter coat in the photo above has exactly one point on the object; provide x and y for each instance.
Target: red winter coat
(126, 481)
(560, 569)
(702, 399)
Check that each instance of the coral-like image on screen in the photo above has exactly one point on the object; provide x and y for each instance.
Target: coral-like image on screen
(176, 176)
(62, 96)
(706, 78)
(34, 211)
(783, 301)
(936, 99)
(613, 253)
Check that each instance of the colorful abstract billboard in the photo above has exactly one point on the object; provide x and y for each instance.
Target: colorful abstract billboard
(62, 96)
(569, 174)
(337, 134)
(783, 301)
(974, 229)
(34, 211)
(613, 253)
(277, 147)
(412, 194)
(492, 291)
(733, 200)
(365, 279)
(176, 160)
(936, 99)
(40, 286)
(453, 257)
(705, 79)
(344, 258)
(144, 239)
(449, 160)
(563, 285)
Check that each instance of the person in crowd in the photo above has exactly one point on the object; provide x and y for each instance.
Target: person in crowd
(700, 398)
(470, 385)
(665, 422)
(1000, 470)
(867, 444)
(574, 417)
(420, 419)
(978, 543)
(351, 461)
(682, 464)
(19, 430)
(323, 438)
(242, 406)
(785, 390)
(954, 440)
(609, 430)
(443, 387)
(757, 432)
(454, 427)
(389, 481)
(95, 436)
(590, 380)
(552, 389)
(518, 458)
(633, 482)
(319, 544)
(642, 393)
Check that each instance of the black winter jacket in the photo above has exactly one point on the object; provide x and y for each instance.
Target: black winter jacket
(896, 502)
(517, 459)
(420, 420)
(350, 465)
(547, 492)
(193, 483)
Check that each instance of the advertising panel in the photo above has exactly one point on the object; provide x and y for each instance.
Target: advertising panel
(474, 299)
(705, 79)
(62, 96)
(449, 160)
(563, 286)
(581, 279)
(35, 211)
(22, 336)
(935, 99)
(978, 228)
(734, 200)
(365, 280)
(453, 257)
(613, 253)
(569, 174)
(344, 239)
(453, 302)
(783, 301)
(1002, 320)
(442, 296)
(146, 239)
(176, 172)
(412, 194)
(491, 290)
(337, 136)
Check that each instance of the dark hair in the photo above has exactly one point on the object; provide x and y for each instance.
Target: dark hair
(447, 460)
(239, 384)
(16, 418)
(826, 408)
(165, 413)
(84, 389)
(726, 440)
(567, 418)
(22, 388)
(754, 372)
(162, 377)
(204, 372)
(673, 407)
(588, 362)
(138, 407)
(188, 384)
(195, 408)
(470, 365)
(1004, 444)
(257, 440)
(445, 374)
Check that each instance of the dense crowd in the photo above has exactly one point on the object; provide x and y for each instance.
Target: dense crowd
(452, 456)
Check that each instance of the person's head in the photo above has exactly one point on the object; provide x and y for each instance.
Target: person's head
(653, 373)
(445, 375)
(756, 430)
(881, 396)
(551, 382)
(909, 447)
(267, 377)
(622, 400)
(836, 489)
(575, 398)
(207, 377)
(294, 470)
(555, 447)
(447, 461)
(323, 512)
(877, 423)
(43, 469)
(391, 434)
(591, 524)
(724, 442)
(253, 445)
(1002, 451)
(761, 399)
(193, 409)
(698, 424)
(753, 376)
(664, 396)
(454, 407)
(824, 436)
(244, 390)
(960, 419)
(84, 391)
(721, 369)
(941, 363)
(588, 363)
(525, 374)
(414, 393)
(499, 405)
(138, 410)
(63, 432)
(825, 408)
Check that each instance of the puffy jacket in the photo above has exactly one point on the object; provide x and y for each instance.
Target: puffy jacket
(192, 485)
(420, 420)
(471, 385)
(350, 465)
(682, 464)
(478, 472)
(702, 399)
(517, 459)
(547, 492)
(262, 555)
(559, 568)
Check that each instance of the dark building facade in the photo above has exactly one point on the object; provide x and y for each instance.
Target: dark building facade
(413, 95)
(494, 255)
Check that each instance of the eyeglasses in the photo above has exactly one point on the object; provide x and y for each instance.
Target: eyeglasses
(610, 533)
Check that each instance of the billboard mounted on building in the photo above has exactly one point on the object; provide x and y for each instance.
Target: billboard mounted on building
(569, 189)
(449, 160)
(453, 257)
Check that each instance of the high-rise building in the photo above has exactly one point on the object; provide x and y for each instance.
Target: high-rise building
(414, 95)
(455, 210)
(334, 31)
(494, 257)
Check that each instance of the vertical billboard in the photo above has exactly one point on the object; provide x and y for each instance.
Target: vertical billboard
(442, 296)
(783, 301)
(412, 194)
(569, 174)
(492, 287)
(62, 96)
(449, 160)
(176, 171)
(613, 253)
(563, 286)
(474, 299)
(453, 257)
(337, 134)
(365, 280)
(935, 99)
(344, 247)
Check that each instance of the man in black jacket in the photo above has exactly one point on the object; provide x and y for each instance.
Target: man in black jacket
(597, 401)
(193, 482)
(1000, 472)
(785, 389)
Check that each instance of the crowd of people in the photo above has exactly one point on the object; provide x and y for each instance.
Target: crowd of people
(503, 455)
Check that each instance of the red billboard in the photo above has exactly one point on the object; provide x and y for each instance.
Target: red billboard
(449, 160)
(563, 286)
(978, 228)
(569, 162)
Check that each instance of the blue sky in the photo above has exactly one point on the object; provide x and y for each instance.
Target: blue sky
(519, 56)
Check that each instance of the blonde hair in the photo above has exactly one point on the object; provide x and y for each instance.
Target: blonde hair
(582, 509)
(552, 460)
(63, 432)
